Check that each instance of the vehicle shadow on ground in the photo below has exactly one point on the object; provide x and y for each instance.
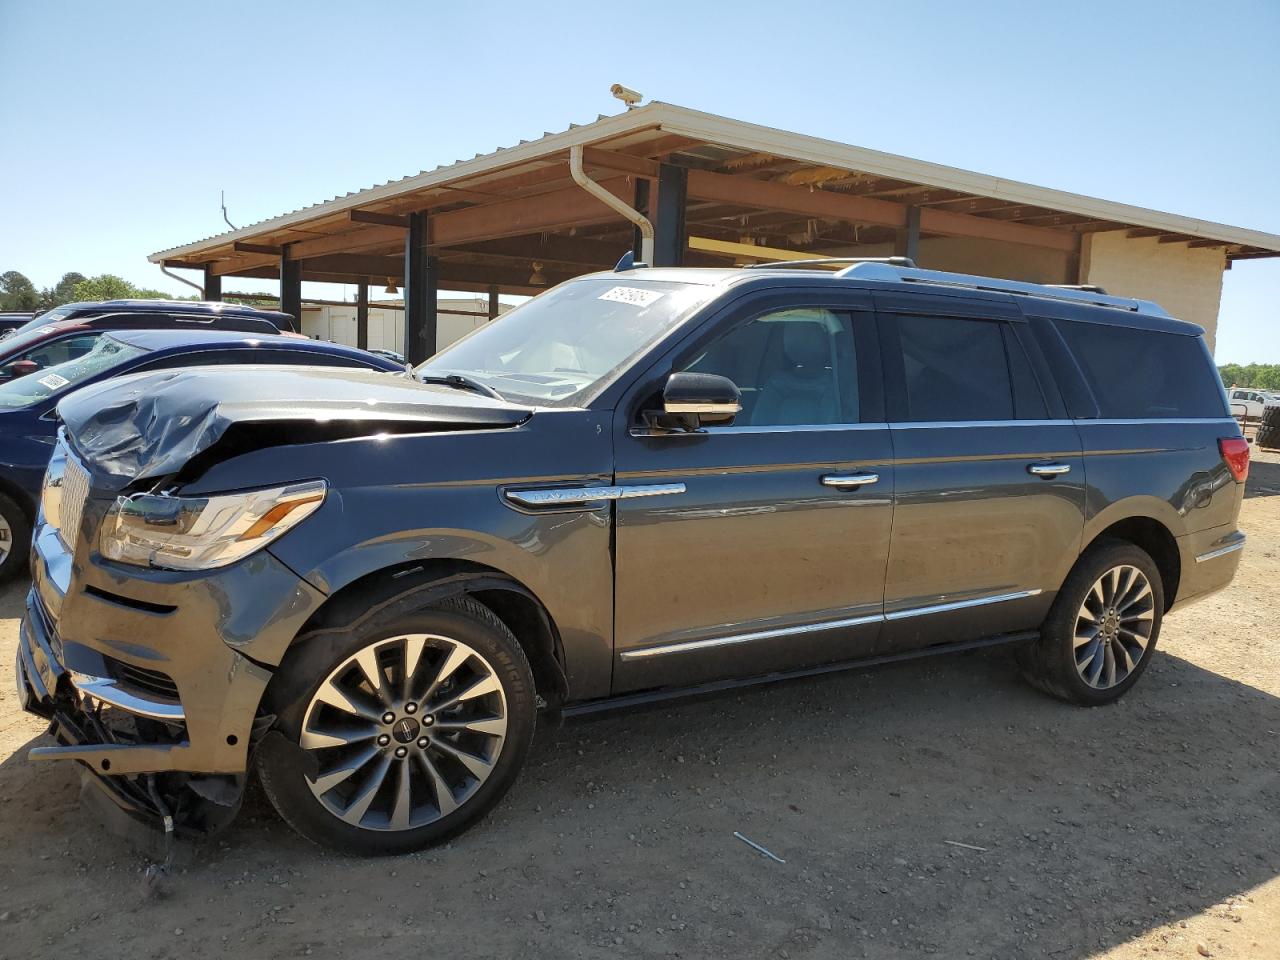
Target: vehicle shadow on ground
(1096, 825)
(1264, 479)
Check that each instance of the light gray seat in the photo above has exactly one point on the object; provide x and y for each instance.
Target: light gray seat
(804, 388)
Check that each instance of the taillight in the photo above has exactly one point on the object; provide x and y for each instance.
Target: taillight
(1235, 454)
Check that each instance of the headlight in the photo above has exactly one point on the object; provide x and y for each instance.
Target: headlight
(200, 533)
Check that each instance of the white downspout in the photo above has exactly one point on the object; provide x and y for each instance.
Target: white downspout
(604, 196)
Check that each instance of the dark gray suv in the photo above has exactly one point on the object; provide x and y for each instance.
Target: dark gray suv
(640, 483)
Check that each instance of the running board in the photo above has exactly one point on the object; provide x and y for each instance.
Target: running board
(608, 704)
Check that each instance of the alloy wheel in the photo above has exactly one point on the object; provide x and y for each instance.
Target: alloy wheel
(404, 732)
(1113, 627)
(6, 538)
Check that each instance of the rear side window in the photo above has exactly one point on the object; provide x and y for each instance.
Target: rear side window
(960, 369)
(1144, 374)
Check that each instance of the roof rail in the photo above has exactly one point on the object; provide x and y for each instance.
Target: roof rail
(833, 261)
(880, 270)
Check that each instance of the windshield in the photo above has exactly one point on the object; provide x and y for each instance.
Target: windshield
(25, 391)
(560, 345)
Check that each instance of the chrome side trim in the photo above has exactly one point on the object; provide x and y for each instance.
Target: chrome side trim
(1222, 551)
(960, 604)
(577, 496)
(110, 692)
(685, 646)
(1082, 421)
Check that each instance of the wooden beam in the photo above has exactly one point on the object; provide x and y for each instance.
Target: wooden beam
(1208, 243)
(951, 224)
(620, 162)
(240, 265)
(381, 219)
(747, 192)
(1175, 238)
(747, 251)
(352, 241)
(241, 246)
(1142, 233)
(556, 210)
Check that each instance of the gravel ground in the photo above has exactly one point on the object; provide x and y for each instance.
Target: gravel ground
(1151, 828)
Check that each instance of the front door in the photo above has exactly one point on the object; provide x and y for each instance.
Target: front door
(989, 476)
(768, 549)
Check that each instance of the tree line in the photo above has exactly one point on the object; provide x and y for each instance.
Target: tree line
(1260, 376)
(19, 294)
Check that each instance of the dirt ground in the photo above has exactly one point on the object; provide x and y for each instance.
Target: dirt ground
(1146, 829)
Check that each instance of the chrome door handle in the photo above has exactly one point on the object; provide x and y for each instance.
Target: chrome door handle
(1049, 469)
(849, 481)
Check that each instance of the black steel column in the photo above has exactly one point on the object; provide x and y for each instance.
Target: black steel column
(493, 302)
(421, 274)
(291, 288)
(907, 241)
(362, 314)
(212, 284)
(669, 229)
(642, 206)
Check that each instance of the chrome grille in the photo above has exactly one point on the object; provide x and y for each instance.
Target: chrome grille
(75, 491)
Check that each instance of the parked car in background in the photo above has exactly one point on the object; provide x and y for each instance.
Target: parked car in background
(638, 484)
(28, 424)
(391, 355)
(70, 331)
(1249, 403)
(9, 322)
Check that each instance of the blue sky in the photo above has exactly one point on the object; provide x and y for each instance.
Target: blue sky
(123, 121)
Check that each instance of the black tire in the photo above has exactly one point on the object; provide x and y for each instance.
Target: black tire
(1050, 663)
(17, 546)
(1271, 415)
(288, 772)
(1268, 436)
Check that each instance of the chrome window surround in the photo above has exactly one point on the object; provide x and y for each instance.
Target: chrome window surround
(687, 646)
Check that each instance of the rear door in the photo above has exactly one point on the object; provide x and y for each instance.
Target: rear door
(989, 473)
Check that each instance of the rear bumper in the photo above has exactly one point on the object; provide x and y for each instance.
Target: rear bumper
(1209, 561)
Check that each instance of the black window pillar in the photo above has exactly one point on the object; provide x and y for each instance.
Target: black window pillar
(907, 241)
(421, 278)
(362, 314)
(669, 229)
(291, 288)
(212, 283)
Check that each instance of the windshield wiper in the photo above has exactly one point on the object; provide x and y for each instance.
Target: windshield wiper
(459, 382)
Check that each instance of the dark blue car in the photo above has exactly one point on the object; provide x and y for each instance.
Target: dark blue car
(28, 420)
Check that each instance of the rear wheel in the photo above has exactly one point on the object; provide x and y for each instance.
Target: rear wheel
(1102, 629)
(403, 732)
(15, 538)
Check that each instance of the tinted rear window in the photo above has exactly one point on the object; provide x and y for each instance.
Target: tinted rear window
(1144, 374)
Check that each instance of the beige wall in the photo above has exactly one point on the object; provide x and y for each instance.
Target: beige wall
(986, 258)
(1187, 282)
(386, 326)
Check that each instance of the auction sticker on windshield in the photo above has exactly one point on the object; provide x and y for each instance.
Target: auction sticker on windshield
(53, 381)
(632, 295)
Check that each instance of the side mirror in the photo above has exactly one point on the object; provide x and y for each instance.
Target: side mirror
(693, 400)
(20, 368)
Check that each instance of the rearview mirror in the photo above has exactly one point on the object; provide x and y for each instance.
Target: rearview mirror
(693, 400)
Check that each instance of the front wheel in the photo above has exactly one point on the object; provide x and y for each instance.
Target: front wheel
(1102, 629)
(403, 732)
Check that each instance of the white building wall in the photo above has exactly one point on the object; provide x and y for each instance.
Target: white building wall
(1186, 281)
(337, 322)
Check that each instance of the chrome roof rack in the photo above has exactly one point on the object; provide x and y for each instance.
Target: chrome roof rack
(891, 272)
(832, 262)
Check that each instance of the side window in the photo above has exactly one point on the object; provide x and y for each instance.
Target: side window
(1144, 374)
(958, 369)
(794, 368)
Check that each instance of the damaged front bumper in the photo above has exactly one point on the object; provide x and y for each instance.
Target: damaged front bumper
(152, 680)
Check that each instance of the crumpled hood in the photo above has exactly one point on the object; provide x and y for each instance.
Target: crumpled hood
(154, 424)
